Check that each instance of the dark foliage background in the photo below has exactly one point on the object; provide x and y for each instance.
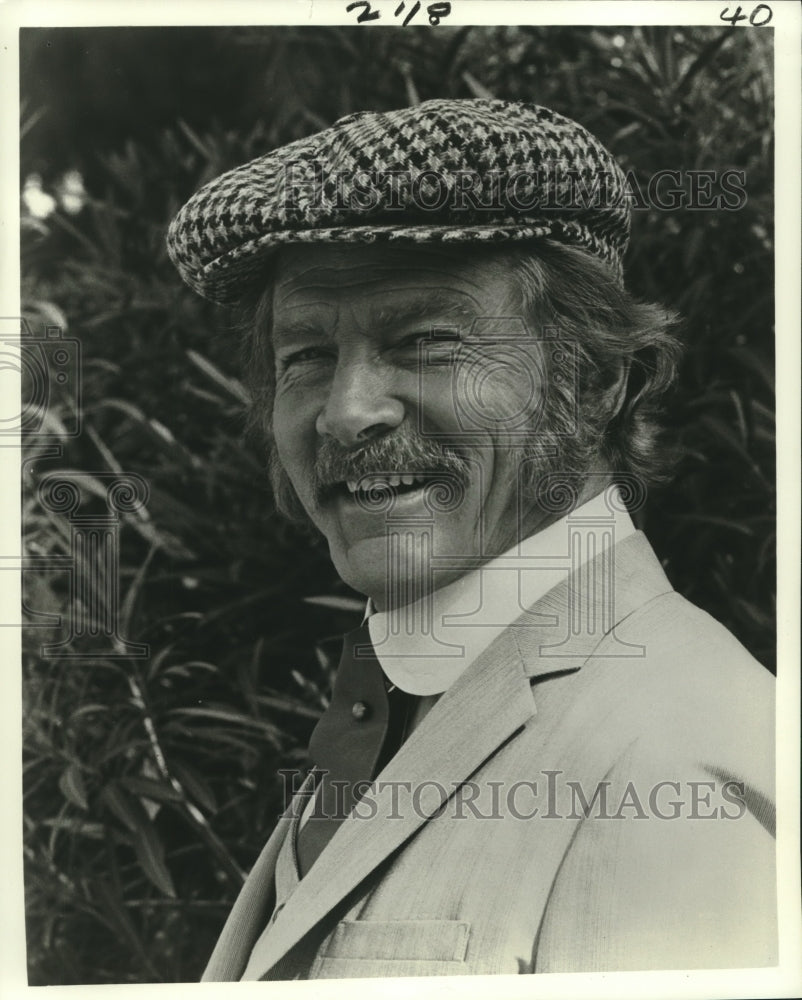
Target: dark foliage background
(151, 784)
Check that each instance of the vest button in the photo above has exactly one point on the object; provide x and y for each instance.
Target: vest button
(360, 710)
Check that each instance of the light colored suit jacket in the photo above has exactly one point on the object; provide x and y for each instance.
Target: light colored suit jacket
(592, 794)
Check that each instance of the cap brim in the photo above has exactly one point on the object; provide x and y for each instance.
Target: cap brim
(237, 273)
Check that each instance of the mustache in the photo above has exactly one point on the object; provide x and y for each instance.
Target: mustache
(401, 453)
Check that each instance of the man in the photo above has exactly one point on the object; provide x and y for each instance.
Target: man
(538, 756)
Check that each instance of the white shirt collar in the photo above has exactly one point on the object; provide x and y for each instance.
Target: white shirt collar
(424, 647)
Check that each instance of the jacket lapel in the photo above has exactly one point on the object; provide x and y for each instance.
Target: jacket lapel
(481, 711)
(467, 725)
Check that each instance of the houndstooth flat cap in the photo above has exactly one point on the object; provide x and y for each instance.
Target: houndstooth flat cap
(448, 171)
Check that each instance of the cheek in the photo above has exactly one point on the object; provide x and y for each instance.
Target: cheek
(282, 429)
(292, 465)
(500, 393)
(292, 425)
(512, 396)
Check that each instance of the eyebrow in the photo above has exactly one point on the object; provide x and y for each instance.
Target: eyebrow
(293, 329)
(420, 309)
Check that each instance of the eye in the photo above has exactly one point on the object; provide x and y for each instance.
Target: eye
(439, 337)
(441, 349)
(305, 355)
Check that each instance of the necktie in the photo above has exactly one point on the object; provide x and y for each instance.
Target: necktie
(359, 732)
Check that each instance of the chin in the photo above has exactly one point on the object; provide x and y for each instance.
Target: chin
(365, 566)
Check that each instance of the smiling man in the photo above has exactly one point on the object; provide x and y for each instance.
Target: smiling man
(537, 756)
(374, 349)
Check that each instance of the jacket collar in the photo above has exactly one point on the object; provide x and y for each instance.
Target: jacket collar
(424, 646)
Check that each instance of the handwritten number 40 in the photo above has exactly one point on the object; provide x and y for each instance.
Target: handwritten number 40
(761, 15)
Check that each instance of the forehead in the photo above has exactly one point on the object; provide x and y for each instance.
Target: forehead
(326, 275)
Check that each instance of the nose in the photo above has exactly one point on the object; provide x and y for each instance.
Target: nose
(360, 404)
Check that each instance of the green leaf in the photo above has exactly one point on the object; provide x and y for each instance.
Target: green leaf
(159, 791)
(229, 715)
(72, 787)
(150, 852)
(195, 784)
(338, 603)
(78, 827)
(123, 806)
(476, 88)
(147, 843)
(232, 386)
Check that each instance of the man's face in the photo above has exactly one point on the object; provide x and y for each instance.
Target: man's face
(365, 398)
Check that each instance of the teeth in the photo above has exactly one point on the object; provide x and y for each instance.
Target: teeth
(384, 482)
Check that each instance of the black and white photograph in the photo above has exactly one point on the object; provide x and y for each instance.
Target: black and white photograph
(401, 439)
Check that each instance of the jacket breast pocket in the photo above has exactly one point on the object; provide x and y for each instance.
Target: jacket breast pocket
(394, 948)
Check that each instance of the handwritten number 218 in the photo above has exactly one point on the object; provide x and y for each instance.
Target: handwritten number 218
(436, 11)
